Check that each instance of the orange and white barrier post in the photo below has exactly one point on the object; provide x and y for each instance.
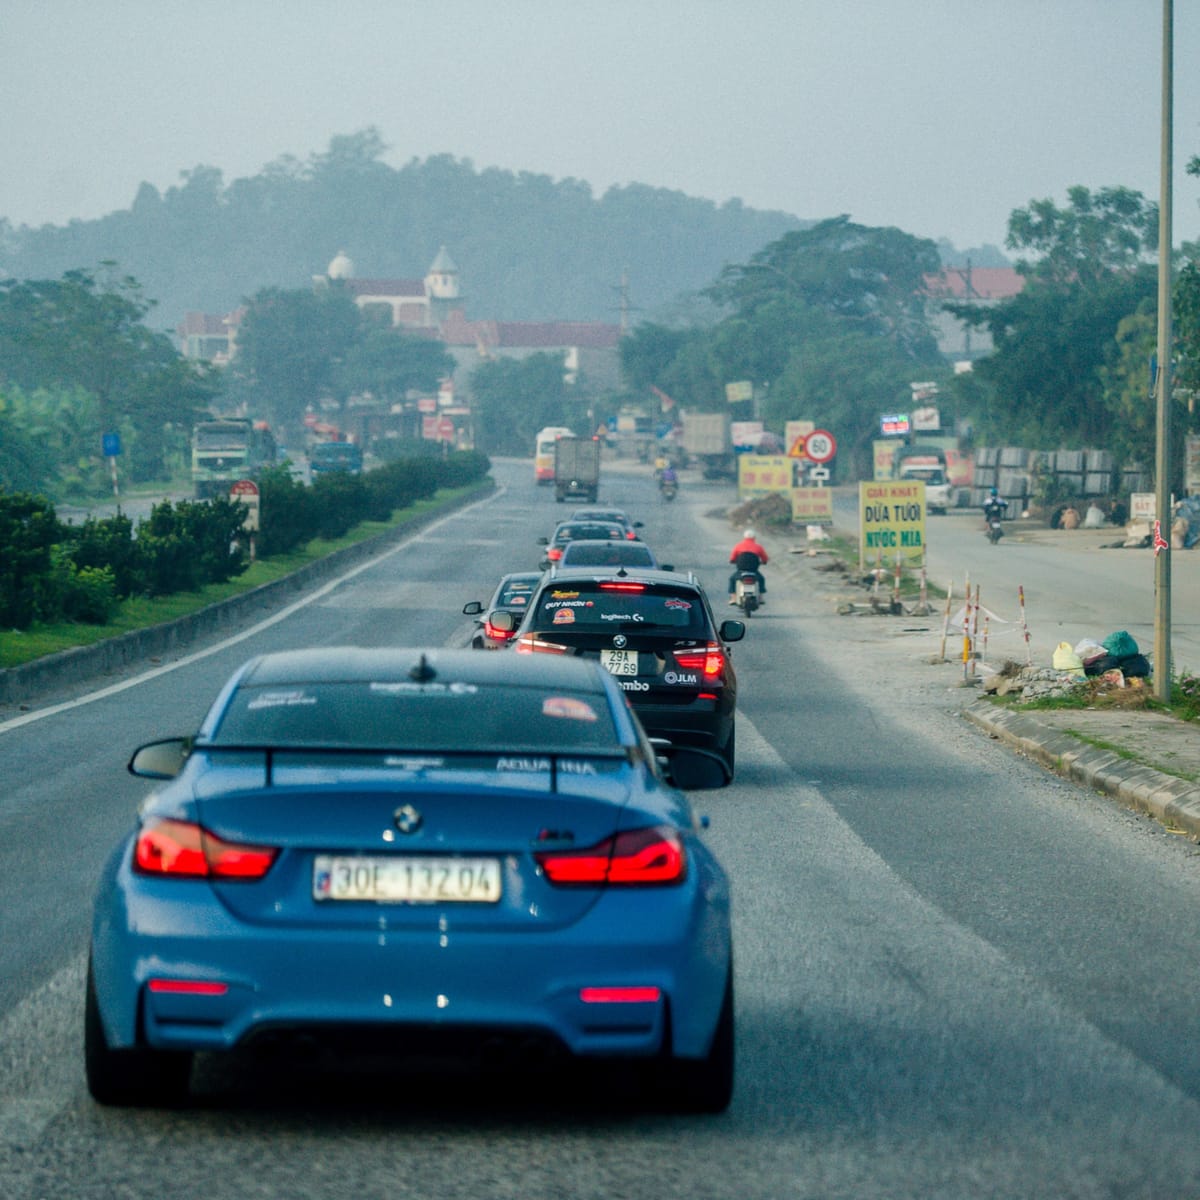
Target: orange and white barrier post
(975, 627)
(946, 622)
(966, 650)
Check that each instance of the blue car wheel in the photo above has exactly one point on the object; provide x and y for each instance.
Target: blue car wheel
(125, 1078)
(703, 1085)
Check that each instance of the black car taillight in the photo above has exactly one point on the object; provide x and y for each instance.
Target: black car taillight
(636, 857)
(710, 661)
(187, 850)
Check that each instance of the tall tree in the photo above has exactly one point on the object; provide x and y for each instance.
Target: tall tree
(389, 363)
(1102, 233)
(81, 331)
(513, 399)
(1058, 374)
(289, 348)
(871, 276)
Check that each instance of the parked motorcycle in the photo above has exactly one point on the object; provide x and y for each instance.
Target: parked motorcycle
(745, 592)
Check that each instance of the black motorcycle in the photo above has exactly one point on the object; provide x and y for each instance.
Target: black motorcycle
(992, 515)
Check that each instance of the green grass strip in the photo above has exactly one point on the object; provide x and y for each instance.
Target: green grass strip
(140, 612)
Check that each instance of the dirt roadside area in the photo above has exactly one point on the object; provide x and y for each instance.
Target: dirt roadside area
(1146, 760)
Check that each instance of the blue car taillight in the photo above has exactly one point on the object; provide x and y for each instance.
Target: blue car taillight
(188, 850)
(635, 857)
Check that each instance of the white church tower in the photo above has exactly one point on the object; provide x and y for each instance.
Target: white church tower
(442, 287)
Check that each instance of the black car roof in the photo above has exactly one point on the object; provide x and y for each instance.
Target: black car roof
(385, 664)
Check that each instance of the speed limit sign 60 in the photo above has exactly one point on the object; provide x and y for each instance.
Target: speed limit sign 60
(820, 446)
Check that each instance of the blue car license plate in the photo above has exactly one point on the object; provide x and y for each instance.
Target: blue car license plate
(406, 880)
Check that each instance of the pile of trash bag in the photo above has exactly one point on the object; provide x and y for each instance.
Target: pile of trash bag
(1118, 652)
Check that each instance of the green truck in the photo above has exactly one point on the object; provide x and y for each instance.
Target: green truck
(226, 449)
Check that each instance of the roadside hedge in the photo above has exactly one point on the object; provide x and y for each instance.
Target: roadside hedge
(51, 571)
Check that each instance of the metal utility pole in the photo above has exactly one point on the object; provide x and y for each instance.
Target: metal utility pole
(1162, 464)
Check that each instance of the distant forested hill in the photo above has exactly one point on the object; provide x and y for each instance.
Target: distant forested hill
(527, 247)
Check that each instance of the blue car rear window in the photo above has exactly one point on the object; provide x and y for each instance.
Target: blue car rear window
(409, 715)
(617, 554)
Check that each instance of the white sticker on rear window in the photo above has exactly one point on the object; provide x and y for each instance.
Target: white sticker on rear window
(570, 707)
(281, 699)
(425, 689)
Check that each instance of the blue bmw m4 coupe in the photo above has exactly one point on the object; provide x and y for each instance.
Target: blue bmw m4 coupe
(412, 849)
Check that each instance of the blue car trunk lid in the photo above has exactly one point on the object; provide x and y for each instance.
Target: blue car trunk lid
(441, 834)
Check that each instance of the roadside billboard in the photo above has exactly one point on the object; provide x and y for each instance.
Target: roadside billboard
(762, 474)
(812, 506)
(884, 452)
(891, 516)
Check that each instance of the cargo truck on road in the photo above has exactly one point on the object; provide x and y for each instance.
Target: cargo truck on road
(576, 469)
(707, 441)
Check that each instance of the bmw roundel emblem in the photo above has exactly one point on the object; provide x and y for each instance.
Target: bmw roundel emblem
(619, 641)
(407, 819)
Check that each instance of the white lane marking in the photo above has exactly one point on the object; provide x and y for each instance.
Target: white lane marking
(39, 1069)
(115, 688)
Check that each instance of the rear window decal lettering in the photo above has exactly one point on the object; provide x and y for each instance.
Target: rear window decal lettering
(564, 616)
(537, 766)
(402, 688)
(281, 700)
(622, 616)
(569, 766)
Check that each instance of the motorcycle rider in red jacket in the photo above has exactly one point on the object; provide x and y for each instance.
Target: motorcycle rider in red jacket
(748, 555)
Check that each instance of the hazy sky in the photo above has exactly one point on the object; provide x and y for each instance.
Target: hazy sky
(937, 116)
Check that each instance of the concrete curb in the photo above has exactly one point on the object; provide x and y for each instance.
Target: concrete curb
(1175, 802)
(55, 672)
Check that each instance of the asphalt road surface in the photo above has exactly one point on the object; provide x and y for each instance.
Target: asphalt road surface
(956, 975)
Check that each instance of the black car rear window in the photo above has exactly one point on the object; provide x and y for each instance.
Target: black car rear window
(584, 532)
(414, 716)
(615, 554)
(619, 604)
(515, 595)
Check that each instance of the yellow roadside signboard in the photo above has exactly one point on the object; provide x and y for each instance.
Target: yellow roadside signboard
(891, 517)
(762, 474)
(812, 506)
(884, 451)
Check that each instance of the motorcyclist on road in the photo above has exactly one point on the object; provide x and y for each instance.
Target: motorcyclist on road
(667, 476)
(748, 555)
(994, 507)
